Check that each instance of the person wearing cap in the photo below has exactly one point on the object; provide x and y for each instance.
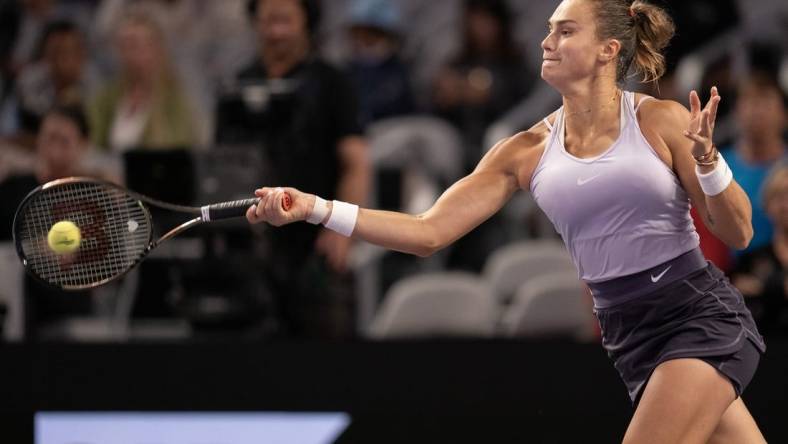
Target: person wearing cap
(381, 77)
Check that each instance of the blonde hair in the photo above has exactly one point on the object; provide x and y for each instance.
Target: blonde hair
(643, 29)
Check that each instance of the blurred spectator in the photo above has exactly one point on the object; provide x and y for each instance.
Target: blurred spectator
(22, 23)
(58, 77)
(380, 76)
(486, 78)
(304, 113)
(61, 150)
(762, 274)
(208, 41)
(761, 117)
(145, 106)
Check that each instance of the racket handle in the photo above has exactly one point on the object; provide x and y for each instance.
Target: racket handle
(236, 208)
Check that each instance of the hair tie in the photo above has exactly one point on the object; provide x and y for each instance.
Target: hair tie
(631, 12)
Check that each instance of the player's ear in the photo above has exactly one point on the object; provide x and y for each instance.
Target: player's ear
(609, 51)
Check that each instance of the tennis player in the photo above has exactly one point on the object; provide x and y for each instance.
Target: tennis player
(616, 173)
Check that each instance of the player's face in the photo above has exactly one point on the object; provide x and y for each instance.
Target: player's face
(571, 49)
(60, 146)
(282, 27)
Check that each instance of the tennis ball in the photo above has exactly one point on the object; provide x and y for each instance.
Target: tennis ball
(64, 237)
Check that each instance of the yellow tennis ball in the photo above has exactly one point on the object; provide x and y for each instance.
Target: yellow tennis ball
(64, 237)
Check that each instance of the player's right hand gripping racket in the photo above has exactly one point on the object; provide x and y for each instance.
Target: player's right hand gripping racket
(115, 229)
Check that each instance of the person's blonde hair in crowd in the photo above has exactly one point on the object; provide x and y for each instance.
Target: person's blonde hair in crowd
(145, 105)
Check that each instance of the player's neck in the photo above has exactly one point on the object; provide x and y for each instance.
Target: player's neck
(594, 97)
(592, 113)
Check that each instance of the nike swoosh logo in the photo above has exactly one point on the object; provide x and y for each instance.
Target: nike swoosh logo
(656, 278)
(581, 182)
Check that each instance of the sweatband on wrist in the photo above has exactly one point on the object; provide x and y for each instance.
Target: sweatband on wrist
(716, 181)
(319, 211)
(343, 218)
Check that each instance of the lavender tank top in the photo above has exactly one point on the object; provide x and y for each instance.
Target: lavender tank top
(619, 213)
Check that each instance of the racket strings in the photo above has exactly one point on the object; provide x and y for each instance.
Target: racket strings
(115, 233)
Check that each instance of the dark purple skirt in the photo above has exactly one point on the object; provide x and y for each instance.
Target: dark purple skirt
(698, 315)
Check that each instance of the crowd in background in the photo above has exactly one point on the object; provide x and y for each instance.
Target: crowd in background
(83, 81)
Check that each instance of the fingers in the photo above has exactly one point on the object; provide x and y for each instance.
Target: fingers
(261, 192)
(257, 213)
(695, 137)
(251, 215)
(271, 207)
(694, 103)
(705, 123)
(714, 103)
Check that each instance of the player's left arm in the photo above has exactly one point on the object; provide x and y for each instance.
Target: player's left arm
(688, 134)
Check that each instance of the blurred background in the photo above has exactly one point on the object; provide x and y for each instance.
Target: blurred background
(381, 103)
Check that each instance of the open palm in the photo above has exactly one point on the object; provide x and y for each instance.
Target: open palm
(701, 126)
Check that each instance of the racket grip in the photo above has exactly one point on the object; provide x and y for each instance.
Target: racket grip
(236, 208)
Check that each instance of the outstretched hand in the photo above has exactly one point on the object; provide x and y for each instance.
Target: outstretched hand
(701, 126)
(271, 209)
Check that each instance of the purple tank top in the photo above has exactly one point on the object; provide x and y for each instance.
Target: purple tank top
(619, 213)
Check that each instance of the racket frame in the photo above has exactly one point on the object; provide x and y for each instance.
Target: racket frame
(207, 213)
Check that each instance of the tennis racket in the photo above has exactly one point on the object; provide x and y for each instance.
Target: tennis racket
(114, 224)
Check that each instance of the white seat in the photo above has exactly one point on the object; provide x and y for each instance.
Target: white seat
(552, 305)
(511, 265)
(436, 304)
(417, 141)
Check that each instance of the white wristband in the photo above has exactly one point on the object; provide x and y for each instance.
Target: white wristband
(319, 211)
(343, 218)
(716, 181)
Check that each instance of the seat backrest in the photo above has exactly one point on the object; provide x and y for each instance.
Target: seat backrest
(427, 142)
(436, 304)
(552, 305)
(511, 265)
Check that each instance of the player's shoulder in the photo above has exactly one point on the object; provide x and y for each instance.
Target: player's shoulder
(519, 154)
(660, 112)
(531, 139)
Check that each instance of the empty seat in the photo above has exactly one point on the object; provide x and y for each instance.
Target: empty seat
(510, 266)
(436, 304)
(551, 305)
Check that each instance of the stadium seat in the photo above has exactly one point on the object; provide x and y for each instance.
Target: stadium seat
(510, 266)
(551, 305)
(440, 304)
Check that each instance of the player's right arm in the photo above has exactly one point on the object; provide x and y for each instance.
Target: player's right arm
(462, 207)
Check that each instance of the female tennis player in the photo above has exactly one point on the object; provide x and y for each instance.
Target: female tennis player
(616, 173)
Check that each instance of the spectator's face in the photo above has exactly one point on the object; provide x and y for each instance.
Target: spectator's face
(60, 146)
(777, 206)
(371, 45)
(139, 49)
(571, 49)
(65, 54)
(282, 27)
(484, 30)
(760, 111)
